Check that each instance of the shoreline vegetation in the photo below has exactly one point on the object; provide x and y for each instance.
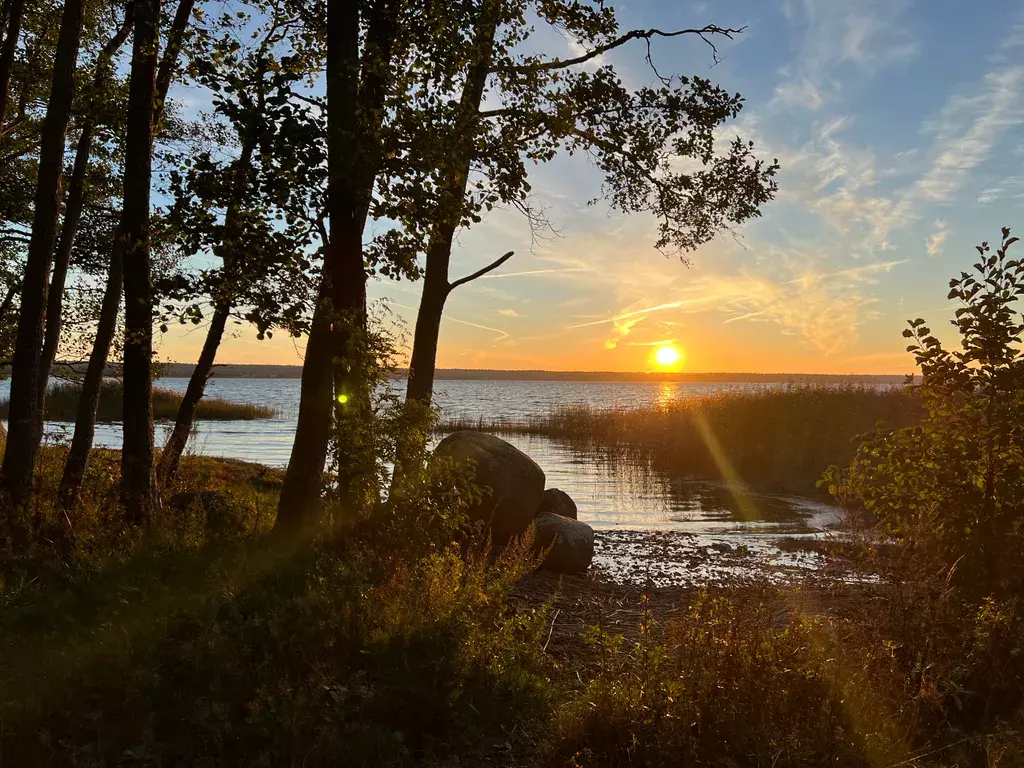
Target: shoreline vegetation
(777, 439)
(62, 405)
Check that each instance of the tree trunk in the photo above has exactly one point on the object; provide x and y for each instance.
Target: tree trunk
(7, 51)
(138, 488)
(435, 279)
(5, 305)
(62, 260)
(170, 458)
(342, 283)
(89, 397)
(73, 212)
(88, 402)
(428, 329)
(25, 431)
(5, 17)
(169, 60)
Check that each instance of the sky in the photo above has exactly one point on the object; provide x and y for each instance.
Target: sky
(899, 127)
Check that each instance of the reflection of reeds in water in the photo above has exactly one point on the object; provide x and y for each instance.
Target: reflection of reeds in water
(780, 438)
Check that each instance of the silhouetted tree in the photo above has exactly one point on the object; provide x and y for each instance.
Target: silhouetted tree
(230, 209)
(76, 199)
(13, 13)
(639, 138)
(88, 401)
(25, 431)
(138, 490)
(364, 51)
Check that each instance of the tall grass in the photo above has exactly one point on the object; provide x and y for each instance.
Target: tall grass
(62, 405)
(781, 438)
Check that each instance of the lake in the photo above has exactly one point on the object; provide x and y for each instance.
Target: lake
(692, 530)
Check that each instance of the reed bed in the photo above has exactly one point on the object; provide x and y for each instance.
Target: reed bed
(780, 438)
(62, 405)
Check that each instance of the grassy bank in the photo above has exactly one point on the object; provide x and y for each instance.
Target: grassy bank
(781, 438)
(62, 405)
(202, 641)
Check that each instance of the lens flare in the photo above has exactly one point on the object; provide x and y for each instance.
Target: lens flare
(342, 399)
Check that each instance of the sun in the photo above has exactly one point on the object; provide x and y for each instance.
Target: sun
(667, 356)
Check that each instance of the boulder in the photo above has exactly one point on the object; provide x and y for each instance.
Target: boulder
(557, 502)
(510, 481)
(571, 543)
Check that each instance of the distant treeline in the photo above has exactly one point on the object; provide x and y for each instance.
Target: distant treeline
(230, 371)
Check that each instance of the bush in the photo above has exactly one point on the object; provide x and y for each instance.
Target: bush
(948, 494)
(729, 683)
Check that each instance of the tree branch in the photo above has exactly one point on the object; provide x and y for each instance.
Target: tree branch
(481, 272)
(704, 33)
(9, 299)
(169, 61)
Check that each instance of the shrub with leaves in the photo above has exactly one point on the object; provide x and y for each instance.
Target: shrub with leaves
(948, 493)
(951, 489)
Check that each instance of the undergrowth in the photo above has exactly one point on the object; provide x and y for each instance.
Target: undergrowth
(207, 641)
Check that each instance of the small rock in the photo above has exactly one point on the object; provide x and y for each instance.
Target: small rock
(571, 543)
(557, 502)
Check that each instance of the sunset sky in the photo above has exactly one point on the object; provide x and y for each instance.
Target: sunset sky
(900, 130)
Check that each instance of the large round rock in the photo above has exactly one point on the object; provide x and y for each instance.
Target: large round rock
(510, 481)
(571, 543)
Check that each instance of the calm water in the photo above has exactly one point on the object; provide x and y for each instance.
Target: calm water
(269, 441)
(616, 497)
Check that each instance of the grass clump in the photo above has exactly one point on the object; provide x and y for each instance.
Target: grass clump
(62, 405)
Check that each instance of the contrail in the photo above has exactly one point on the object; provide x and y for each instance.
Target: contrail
(635, 312)
(495, 275)
(504, 335)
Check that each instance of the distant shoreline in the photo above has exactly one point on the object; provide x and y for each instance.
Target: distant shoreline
(231, 371)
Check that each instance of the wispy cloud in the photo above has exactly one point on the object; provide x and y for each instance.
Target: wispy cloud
(507, 312)
(1009, 189)
(1012, 43)
(659, 343)
(798, 92)
(867, 33)
(824, 308)
(938, 238)
(967, 130)
(634, 313)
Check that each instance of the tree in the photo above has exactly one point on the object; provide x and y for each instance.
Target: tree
(945, 498)
(360, 85)
(24, 435)
(85, 417)
(639, 139)
(11, 25)
(76, 199)
(230, 209)
(138, 490)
